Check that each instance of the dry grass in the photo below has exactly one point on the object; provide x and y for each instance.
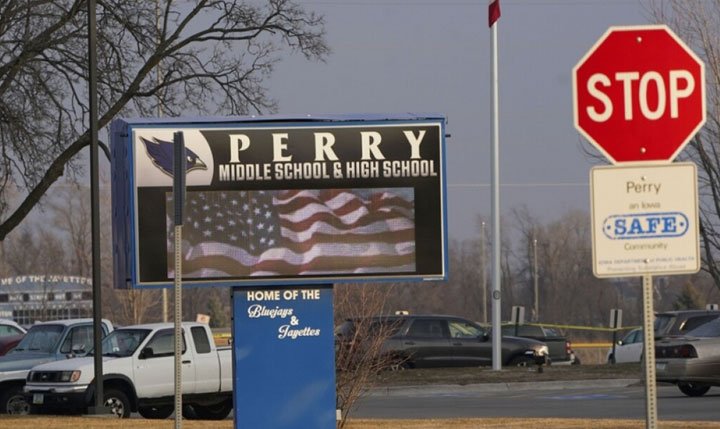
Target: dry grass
(50, 422)
(506, 423)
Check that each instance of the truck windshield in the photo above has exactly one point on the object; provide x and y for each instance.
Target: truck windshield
(123, 342)
(40, 338)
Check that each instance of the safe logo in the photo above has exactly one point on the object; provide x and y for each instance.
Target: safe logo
(645, 225)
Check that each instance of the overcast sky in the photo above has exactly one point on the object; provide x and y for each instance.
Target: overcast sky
(394, 56)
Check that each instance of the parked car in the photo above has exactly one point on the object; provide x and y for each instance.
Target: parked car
(10, 328)
(10, 335)
(677, 323)
(9, 342)
(628, 349)
(44, 342)
(668, 324)
(138, 375)
(560, 348)
(430, 340)
(691, 362)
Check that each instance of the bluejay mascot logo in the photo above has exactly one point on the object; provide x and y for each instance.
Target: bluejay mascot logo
(161, 154)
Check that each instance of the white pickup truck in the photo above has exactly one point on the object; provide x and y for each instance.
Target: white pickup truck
(139, 375)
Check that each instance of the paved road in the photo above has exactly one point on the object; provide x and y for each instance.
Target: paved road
(623, 399)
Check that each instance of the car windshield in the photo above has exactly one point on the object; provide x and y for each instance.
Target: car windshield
(40, 338)
(709, 329)
(123, 342)
(550, 332)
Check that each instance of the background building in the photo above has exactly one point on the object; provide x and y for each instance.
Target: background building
(36, 298)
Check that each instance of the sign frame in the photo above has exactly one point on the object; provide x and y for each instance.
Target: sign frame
(130, 178)
(633, 254)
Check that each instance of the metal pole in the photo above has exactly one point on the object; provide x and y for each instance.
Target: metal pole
(178, 329)
(179, 170)
(495, 197)
(95, 205)
(159, 113)
(483, 265)
(649, 352)
(535, 281)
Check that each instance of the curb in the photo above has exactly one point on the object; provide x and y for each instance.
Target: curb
(444, 389)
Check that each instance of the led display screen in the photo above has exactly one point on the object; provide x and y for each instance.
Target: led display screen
(282, 202)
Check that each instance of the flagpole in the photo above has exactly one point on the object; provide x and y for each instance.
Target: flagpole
(495, 197)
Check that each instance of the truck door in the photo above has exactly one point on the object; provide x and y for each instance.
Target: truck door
(207, 364)
(155, 367)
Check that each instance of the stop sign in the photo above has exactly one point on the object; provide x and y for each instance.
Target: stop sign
(639, 94)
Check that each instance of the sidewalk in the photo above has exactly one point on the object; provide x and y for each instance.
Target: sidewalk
(500, 387)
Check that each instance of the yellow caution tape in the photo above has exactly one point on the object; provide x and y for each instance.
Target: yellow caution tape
(585, 328)
(591, 345)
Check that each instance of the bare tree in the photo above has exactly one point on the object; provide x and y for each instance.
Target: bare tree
(132, 306)
(215, 55)
(698, 24)
(70, 208)
(359, 354)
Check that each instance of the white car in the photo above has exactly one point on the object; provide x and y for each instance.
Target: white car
(9, 327)
(629, 349)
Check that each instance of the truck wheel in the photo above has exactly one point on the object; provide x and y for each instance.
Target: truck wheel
(12, 401)
(693, 389)
(214, 412)
(118, 403)
(189, 413)
(156, 412)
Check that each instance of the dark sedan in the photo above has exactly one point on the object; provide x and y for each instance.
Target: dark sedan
(416, 341)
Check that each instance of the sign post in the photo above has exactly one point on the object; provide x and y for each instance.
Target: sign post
(179, 166)
(615, 324)
(639, 97)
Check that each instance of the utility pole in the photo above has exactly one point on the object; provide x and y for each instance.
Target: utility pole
(98, 407)
(535, 280)
(159, 113)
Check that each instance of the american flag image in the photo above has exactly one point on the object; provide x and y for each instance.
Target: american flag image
(295, 232)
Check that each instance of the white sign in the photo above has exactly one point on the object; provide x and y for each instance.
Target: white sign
(644, 220)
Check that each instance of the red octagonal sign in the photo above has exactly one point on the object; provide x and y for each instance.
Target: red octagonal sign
(639, 94)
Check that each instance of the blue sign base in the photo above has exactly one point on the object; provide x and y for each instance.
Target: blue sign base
(284, 358)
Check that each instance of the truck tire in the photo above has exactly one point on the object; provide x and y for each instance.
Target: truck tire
(158, 412)
(214, 412)
(118, 403)
(12, 401)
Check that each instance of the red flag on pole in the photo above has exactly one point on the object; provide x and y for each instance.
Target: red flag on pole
(493, 12)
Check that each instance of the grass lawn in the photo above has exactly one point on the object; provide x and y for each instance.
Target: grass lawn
(63, 422)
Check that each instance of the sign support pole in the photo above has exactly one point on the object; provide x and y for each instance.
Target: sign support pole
(179, 170)
(649, 352)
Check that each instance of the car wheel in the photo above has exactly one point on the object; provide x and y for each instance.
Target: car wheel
(522, 361)
(156, 412)
(214, 412)
(12, 401)
(118, 403)
(693, 389)
(399, 364)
